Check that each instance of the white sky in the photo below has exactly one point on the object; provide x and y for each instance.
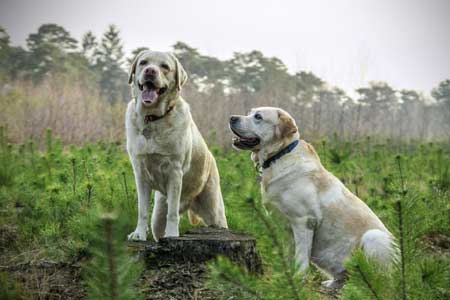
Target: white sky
(347, 43)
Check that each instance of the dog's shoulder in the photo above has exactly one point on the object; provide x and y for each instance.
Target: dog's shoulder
(131, 106)
(130, 114)
(309, 150)
(183, 107)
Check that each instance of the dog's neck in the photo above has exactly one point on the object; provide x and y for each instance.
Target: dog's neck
(267, 151)
(147, 115)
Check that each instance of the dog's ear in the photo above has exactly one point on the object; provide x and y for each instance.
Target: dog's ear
(180, 74)
(286, 125)
(132, 72)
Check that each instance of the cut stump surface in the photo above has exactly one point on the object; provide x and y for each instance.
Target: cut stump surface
(176, 267)
(200, 245)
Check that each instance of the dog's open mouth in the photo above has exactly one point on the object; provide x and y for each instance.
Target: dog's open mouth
(150, 93)
(242, 142)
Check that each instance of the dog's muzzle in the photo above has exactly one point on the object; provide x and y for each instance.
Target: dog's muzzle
(150, 92)
(239, 140)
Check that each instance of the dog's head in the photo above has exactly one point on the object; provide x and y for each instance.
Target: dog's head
(263, 127)
(156, 77)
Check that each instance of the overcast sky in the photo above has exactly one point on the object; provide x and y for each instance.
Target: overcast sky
(347, 43)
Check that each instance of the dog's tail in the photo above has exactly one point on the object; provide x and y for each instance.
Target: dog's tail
(193, 218)
(379, 245)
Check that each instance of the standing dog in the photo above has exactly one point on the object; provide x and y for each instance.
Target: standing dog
(326, 219)
(167, 151)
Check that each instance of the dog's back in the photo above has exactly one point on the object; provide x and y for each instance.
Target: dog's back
(347, 222)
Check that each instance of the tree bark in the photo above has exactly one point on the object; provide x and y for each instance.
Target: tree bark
(200, 245)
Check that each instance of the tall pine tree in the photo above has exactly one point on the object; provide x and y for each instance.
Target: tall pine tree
(48, 49)
(110, 58)
(89, 47)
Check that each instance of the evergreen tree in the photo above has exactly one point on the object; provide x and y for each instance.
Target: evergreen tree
(307, 87)
(112, 273)
(48, 50)
(89, 47)
(189, 57)
(4, 39)
(4, 50)
(413, 106)
(414, 275)
(205, 72)
(380, 104)
(284, 281)
(251, 72)
(442, 92)
(378, 95)
(113, 80)
(51, 35)
(13, 60)
(442, 95)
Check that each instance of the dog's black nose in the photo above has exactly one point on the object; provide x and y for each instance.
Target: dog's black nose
(151, 72)
(233, 119)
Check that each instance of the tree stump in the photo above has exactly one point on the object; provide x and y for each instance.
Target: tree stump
(176, 267)
(200, 245)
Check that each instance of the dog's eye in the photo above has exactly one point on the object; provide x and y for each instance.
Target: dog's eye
(142, 62)
(258, 117)
(165, 66)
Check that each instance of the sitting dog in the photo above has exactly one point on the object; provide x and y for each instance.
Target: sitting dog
(167, 151)
(326, 219)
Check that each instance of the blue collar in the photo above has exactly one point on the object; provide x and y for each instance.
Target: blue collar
(280, 154)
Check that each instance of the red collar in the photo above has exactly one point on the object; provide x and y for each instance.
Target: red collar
(152, 118)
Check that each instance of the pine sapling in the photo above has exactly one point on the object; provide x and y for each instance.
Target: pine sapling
(89, 186)
(288, 272)
(125, 186)
(112, 274)
(74, 175)
(399, 210)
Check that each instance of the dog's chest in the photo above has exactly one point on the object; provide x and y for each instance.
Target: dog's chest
(156, 170)
(145, 145)
(158, 154)
(290, 193)
(274, 191)
(149, 141)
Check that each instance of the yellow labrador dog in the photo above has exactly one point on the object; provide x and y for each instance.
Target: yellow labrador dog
(167, 151)
(327, 220)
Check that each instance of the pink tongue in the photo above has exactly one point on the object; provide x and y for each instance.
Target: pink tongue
(149, 95)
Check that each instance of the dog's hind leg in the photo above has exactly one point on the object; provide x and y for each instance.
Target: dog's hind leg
(209, 203)
(159, 216)
(193, 218)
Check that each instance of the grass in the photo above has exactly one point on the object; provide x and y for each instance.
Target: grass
(50, 200)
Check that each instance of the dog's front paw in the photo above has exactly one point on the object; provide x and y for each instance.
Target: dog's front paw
(303, 266)
(172, 231)
(138, 235)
